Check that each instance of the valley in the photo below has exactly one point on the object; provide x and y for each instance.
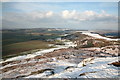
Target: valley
(73, 54)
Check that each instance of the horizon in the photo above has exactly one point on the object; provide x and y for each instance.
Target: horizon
(62, 28)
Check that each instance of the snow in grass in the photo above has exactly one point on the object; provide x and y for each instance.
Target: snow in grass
(58, 66)
(43, 75)
(96, 68)
(67, 45)
(92, 68)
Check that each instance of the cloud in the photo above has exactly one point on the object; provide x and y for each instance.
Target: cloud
(36, 15)
(88, 16)
(68, 14)
(89, 13)
(49, 14)
(65, 19)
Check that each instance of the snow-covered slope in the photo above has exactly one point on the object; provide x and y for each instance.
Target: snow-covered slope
(99, 36)
(91, 68)
(88, 68)
(64, 63)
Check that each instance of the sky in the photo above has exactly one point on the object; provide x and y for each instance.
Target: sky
(72, 15)
(60, 0)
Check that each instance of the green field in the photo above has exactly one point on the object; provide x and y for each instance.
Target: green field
(17, 48)
(17, 41)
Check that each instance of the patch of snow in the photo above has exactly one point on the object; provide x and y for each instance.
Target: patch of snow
(44, 74)
(62, 63)
(99, 36)
(59, 66)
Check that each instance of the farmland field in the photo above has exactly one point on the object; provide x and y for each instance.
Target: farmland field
(15, 42)
(16, 48)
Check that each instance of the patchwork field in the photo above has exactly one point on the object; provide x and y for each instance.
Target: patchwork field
(17, 48)
(15, 42)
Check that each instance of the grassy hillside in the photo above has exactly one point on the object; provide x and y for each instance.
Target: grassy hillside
(17, 41)
(15, 37)
(17, 48)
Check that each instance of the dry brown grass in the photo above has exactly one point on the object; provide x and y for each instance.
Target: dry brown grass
(83, 74)
(117, 64)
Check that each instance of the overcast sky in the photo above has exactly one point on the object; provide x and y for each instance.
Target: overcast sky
(74, 15)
